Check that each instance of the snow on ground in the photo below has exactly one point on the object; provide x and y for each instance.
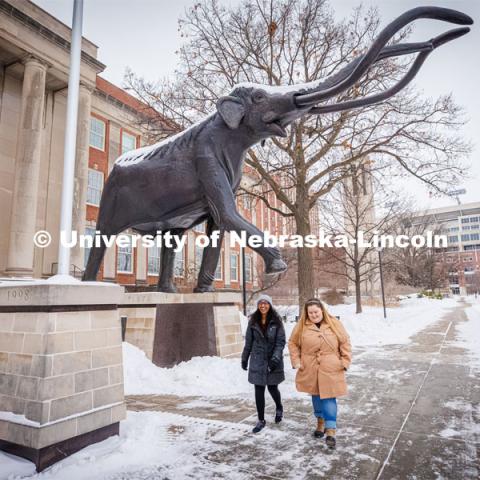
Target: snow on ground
(468, 333)
(464, 423)
(200, 376)
(370, 328)
(219, 377)
(149, 443)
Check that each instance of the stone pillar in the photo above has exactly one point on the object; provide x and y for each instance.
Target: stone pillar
(172, 328)
(110, 264)
(61, 375)
(79, 211)
(141, 274)
(27, 169)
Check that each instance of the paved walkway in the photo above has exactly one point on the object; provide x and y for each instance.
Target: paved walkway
(413, 412)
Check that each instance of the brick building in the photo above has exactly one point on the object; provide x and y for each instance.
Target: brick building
(34, 61)
(461, 257)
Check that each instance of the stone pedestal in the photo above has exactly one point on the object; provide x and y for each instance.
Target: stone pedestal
(171, 328)
(61, 376)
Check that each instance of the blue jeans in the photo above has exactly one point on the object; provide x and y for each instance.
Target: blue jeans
(325, 408)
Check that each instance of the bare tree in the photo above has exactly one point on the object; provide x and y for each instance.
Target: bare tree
(358, 211)
(417, 267)
(280, 42)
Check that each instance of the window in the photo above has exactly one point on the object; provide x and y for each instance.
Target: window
(474, 236)
(179, 265)
(89, 232)
(465, 220)
(153, 260)
(474, 227)
(97, 133)
(198, 258)
(218, 271)
(94, 187)
(248, 268)
(125, 259)
(452, 238)
(453, 229)
(247, 202)
(468, 269)
(234, 267)
(465, 238)
(129, 142)
(199, 228)
(467, 248)
(474, 219)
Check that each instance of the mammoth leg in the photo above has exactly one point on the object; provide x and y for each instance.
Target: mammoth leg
(95, 258)
(221, 202)
(210, 259)
(167, 263)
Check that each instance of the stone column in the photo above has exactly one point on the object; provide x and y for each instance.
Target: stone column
(61, 374)
(81, 171)
(27, 169)
(141, 276)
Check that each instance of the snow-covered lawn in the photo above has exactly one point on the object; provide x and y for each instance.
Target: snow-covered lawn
(370, 328)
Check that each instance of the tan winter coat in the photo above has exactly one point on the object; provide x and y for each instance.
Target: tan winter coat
(323, 361)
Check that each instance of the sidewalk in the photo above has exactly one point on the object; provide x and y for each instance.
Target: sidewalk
(413, 412)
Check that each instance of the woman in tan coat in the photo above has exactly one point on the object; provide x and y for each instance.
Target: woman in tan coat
(320, 350)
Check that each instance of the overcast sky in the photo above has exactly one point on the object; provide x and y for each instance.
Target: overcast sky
(142, 35)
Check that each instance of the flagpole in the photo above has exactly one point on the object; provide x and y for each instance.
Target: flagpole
(70, 139)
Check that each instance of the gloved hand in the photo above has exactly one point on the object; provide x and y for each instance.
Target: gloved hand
(273, 364)
(244, 364)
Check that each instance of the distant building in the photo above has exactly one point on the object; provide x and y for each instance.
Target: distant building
(461, 225)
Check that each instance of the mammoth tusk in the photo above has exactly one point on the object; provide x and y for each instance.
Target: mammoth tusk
(379, 97)
(361, 65)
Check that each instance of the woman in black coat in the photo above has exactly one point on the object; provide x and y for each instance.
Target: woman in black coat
(264, 344)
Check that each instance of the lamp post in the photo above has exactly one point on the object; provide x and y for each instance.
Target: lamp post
(244, 283)
(379, 250)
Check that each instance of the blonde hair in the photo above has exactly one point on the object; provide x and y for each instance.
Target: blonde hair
(337, 328)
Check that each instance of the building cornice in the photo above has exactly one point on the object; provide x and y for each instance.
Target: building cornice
(8, 9)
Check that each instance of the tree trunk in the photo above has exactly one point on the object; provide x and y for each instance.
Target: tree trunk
(306, 287)
(358, 292)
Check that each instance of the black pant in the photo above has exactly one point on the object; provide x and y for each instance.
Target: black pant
(260, 399)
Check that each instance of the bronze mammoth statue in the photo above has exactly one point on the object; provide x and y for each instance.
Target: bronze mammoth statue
(192, 177)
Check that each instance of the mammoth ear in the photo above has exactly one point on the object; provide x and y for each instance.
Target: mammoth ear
(231, 110)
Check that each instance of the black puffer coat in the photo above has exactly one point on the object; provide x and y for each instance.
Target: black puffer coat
(263, 349)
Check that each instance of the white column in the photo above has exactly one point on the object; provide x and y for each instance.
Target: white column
(141, 274)
(27, 169)
(79, 211)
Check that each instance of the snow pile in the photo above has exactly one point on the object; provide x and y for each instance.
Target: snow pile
(469, 333)
(199, 376)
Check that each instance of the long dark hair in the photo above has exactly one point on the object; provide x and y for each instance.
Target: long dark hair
(272, 316)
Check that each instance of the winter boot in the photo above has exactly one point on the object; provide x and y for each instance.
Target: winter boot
(278, 415)
(330, 440)
(320, 430)
(259, 426)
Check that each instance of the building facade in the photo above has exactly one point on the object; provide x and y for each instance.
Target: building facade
(461, 257)
(34, 67)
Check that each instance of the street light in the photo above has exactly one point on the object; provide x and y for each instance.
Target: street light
(379, 250)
